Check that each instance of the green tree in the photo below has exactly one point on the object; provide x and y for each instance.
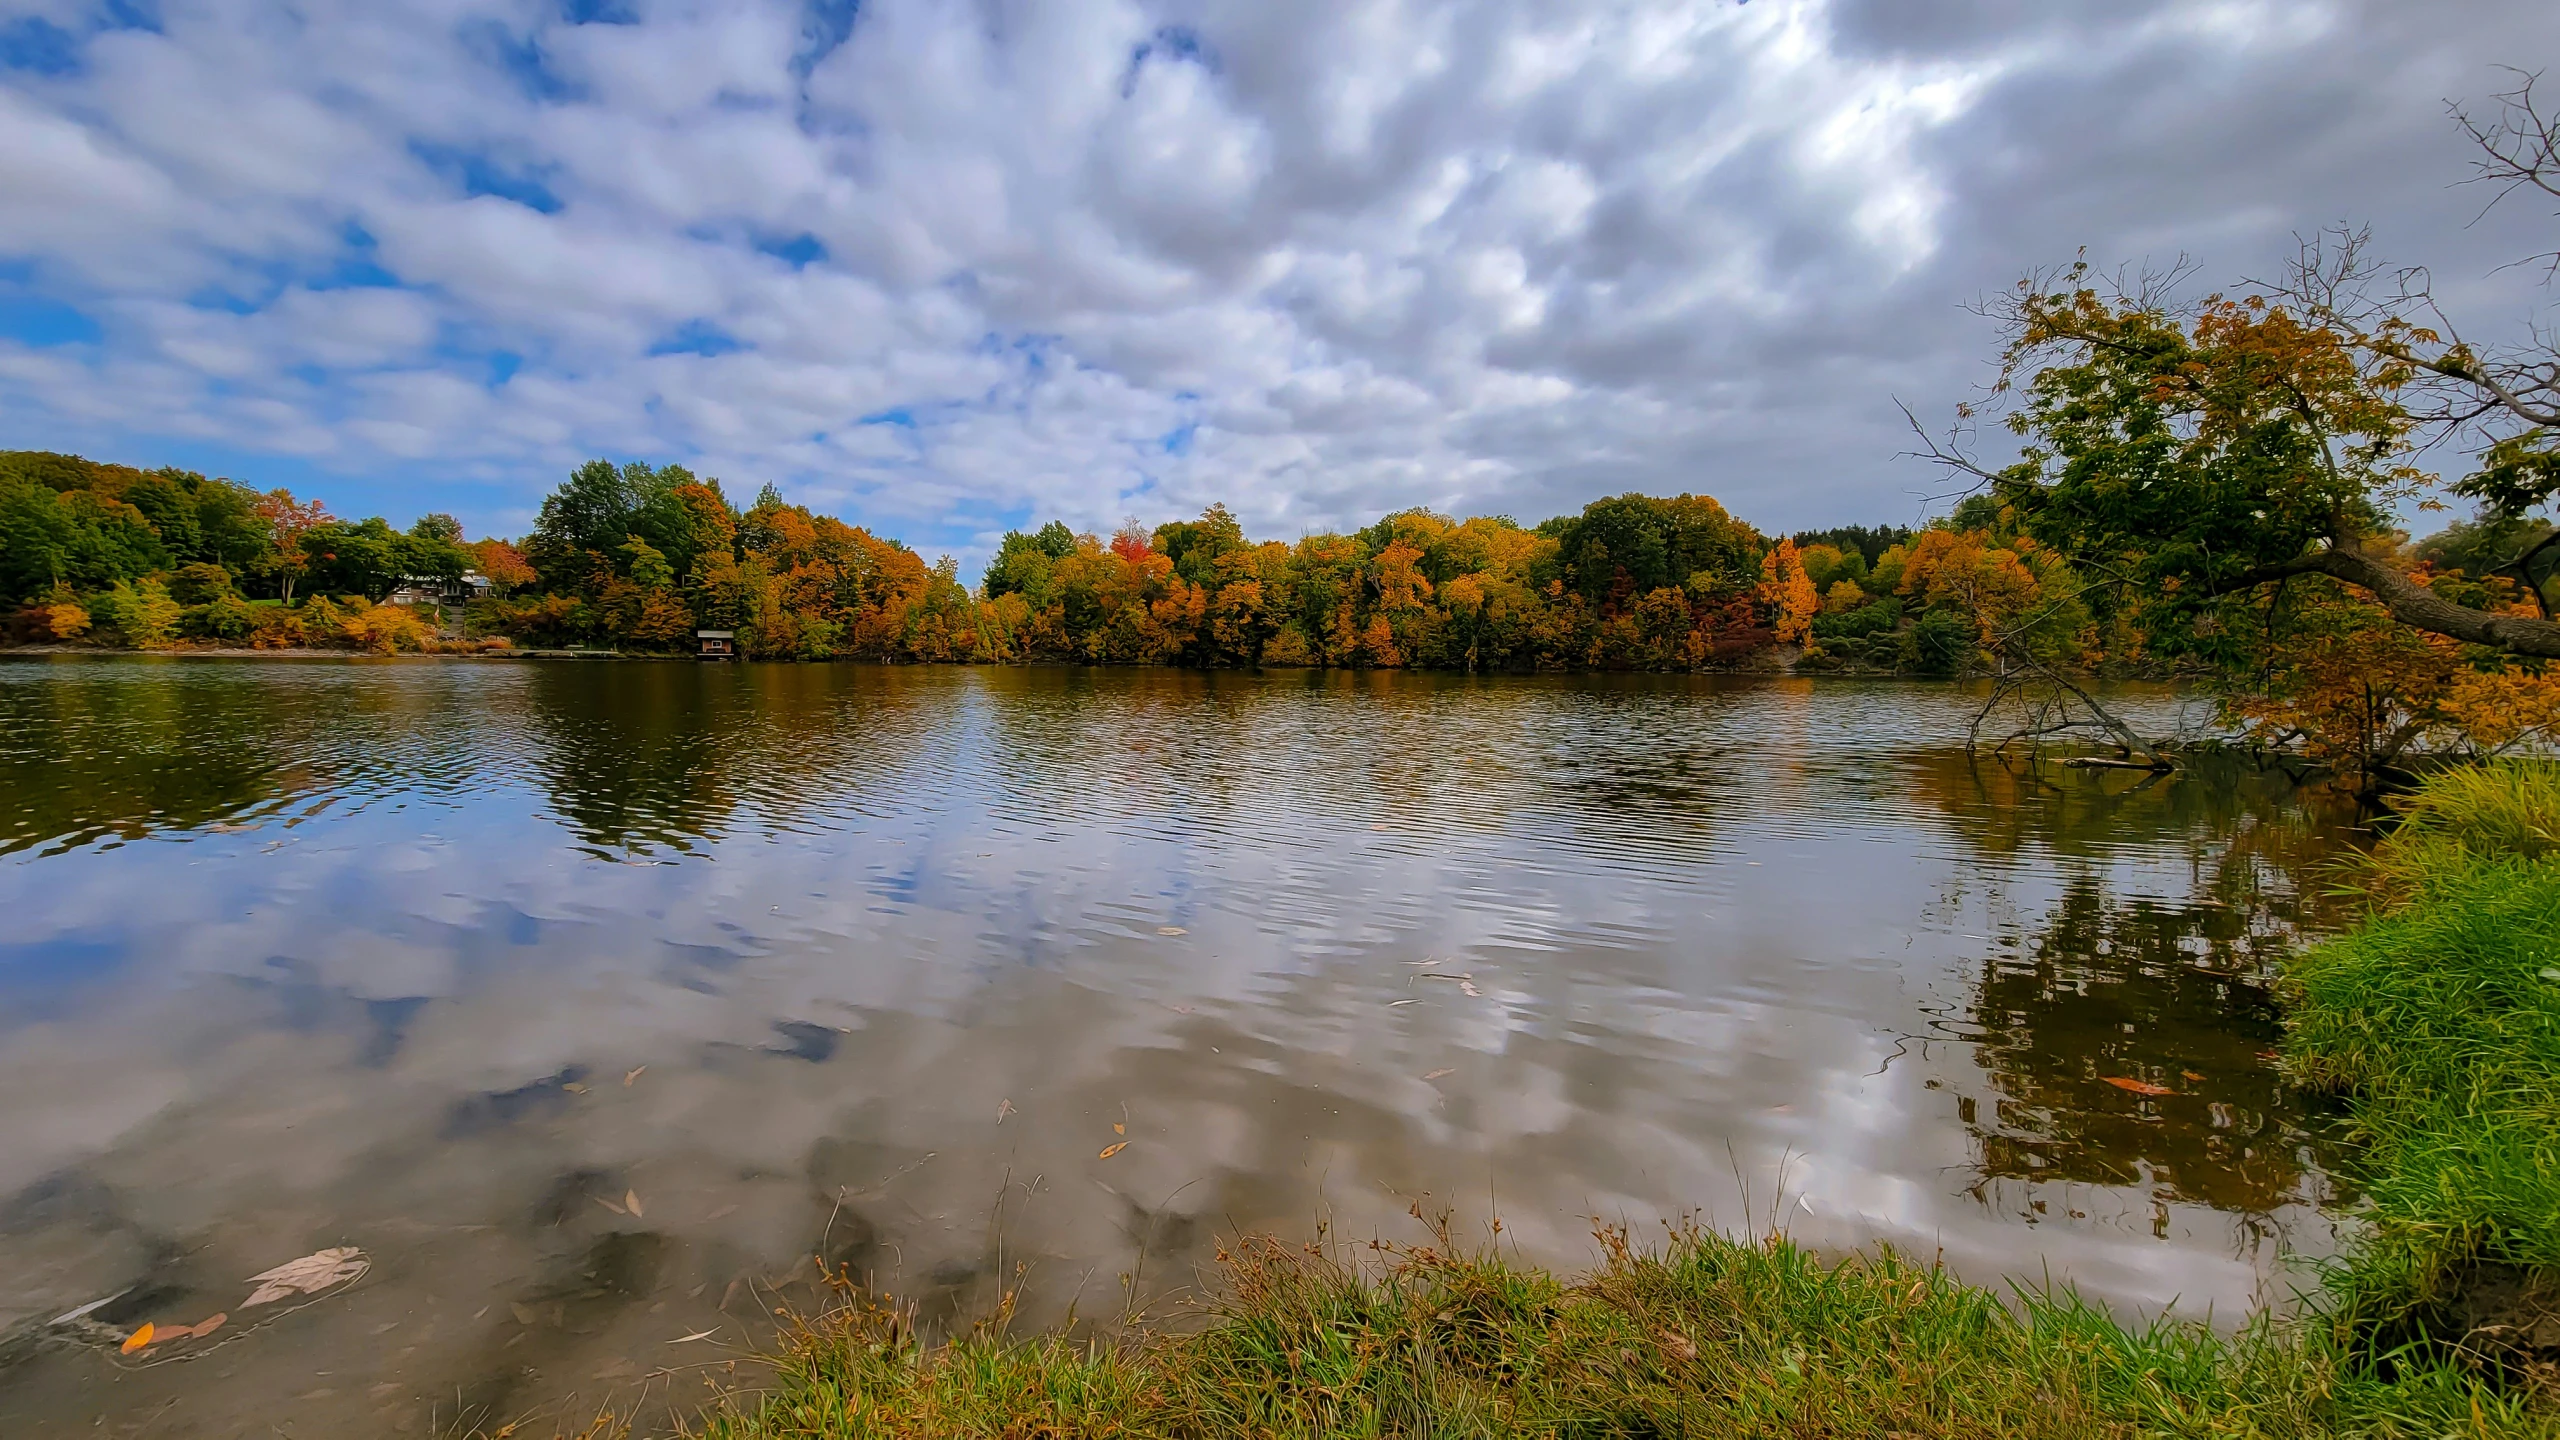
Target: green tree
(1632, 545)
(365, 558)
(2182, 461)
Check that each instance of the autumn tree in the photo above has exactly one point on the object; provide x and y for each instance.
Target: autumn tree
(1789, 593)
(286, 520)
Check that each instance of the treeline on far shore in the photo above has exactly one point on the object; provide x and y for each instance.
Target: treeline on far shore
(638, 558)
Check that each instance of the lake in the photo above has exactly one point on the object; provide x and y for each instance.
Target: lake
(596, 1001)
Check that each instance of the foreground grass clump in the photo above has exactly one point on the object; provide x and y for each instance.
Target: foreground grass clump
(1706, 1337)
(2440, 1019)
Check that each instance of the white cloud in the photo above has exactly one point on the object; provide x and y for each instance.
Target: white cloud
(1101, 257)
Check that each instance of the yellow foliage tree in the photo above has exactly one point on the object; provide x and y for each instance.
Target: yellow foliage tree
(1788, 593)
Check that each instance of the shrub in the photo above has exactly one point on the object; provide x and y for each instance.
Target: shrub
(199, 584)
(224, 617)
(386, 629)
(277, 628)
(140, 613)
(58, 616)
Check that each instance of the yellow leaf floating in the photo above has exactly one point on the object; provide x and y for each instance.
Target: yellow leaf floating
(1119, 1129)
(137, 1339)
(1110, 1150)
(631, 1198)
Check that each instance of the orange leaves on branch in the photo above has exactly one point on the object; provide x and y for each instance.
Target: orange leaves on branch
(1788, 593)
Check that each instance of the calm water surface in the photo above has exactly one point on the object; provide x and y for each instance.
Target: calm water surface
(452, 961)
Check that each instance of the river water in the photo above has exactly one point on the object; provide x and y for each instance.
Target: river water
(593, 1001)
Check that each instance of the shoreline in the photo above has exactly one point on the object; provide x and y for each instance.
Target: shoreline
(1775, 670)
(2437, 1018)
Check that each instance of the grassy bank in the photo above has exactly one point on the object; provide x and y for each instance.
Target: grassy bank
(2439, 1019)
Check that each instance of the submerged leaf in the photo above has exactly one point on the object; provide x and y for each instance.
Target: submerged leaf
(1171, 930)
(2138, 1087)
(210, 1324)
(631, 1074)
(631, 1199)
(309, 1275)
(1003, 1108)
(1119, 1129)
(1436, 1074)
(1110, 1150)
(137, 1339)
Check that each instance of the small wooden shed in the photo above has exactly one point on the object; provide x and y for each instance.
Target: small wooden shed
(718, 644)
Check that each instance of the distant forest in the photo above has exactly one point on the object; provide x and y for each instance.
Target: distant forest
(638, 558)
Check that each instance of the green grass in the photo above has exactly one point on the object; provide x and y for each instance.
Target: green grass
(2438, 1019)
(1703, 1337)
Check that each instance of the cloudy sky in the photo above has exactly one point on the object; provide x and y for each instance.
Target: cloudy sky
(945, 266)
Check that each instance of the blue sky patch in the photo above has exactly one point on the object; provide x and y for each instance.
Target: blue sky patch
(32, 319)
(799, 252)
(479, 173)
(1170, 44)
(824, 25)
(37, 44)
(520, 57)
(697, 337)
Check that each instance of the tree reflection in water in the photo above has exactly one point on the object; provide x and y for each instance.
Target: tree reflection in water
(2128, 1041)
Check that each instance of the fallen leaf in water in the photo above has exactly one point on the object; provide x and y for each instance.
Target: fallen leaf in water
(309, 1275)
(631, 1200)
(1119, 1129)
(696, 1335)
(523, 1313)
(1436, 1074)
(1171, 930)
(574, 1088)
(1110, 1150)
(2191, 1075)
(1003, 1108)
(137, 1339)
(2138, 1087)
(207, 1326)
(1394, 1003)
(1468, 987)
(632, 1074)
(610, 1205)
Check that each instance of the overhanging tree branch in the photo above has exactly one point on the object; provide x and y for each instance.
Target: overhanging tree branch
(2411, 603)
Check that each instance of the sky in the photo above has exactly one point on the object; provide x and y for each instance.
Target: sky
(945, 267)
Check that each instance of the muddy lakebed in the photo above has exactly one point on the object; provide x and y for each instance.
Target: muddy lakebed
(596, 1004)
